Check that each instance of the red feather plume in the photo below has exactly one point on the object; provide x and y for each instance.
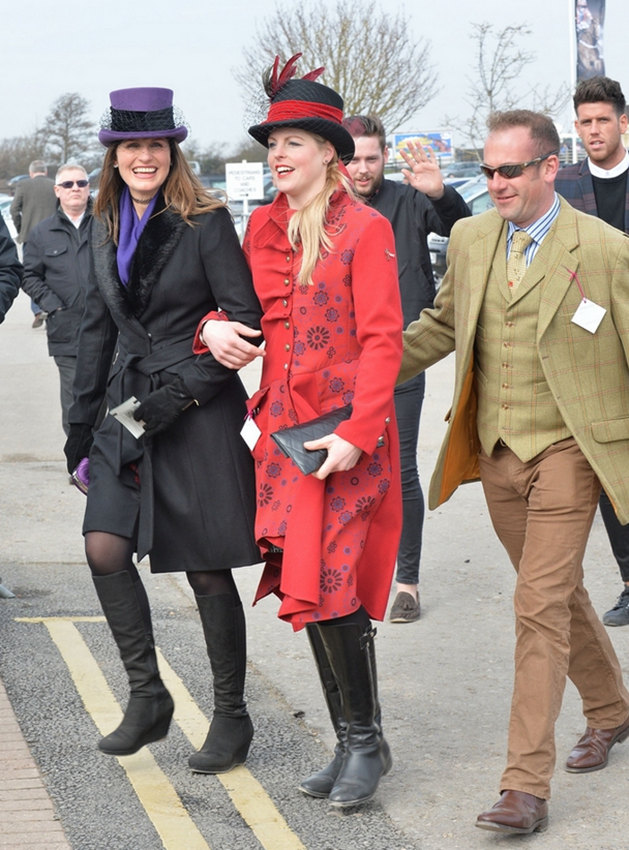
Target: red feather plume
(273, 79)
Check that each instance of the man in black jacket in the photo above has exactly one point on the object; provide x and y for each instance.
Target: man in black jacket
(56, 266)
(414, 210)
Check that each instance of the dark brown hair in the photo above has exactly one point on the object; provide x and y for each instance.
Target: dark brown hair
(182, 190)
(600, 90)
(365, 125)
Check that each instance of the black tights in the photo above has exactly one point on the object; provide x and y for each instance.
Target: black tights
(109, 553)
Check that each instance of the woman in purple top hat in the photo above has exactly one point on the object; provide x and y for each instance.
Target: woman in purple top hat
(164, 252)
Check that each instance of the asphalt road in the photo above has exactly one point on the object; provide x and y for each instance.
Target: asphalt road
(445, 681)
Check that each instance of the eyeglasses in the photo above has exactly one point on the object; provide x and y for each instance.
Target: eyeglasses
(513, 169)
(68, 184)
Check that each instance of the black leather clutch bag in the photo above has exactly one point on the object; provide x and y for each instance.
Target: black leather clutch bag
(291, 440)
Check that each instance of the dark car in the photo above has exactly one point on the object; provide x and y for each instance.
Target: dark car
(476, 195)
(462, 169)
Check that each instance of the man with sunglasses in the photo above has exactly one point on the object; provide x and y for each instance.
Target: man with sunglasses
(56, 266)
(541, 415)
(599, 185)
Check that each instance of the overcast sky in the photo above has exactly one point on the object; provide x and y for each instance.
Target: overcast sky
(191, 46)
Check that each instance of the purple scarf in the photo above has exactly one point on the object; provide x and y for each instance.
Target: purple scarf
(131, 228)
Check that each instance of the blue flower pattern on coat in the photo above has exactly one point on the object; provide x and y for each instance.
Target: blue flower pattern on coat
(321, 363)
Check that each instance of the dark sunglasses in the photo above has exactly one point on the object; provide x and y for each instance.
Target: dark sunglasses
(513, 170)
(68, 184)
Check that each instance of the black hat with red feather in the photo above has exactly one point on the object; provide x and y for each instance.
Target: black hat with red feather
(304, 104)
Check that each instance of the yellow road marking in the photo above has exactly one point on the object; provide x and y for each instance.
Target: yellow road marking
(155, 792)
(160, 800)
(247, 794)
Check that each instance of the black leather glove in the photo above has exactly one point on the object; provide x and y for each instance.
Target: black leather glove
(78, 445)
(161, 407)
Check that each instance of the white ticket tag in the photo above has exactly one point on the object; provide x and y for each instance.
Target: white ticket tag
(250, 432)
(124, 414)
(589, 315)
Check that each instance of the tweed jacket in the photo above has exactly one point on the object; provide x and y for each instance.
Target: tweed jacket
(34, 201)
(588, 373)
(574, 183)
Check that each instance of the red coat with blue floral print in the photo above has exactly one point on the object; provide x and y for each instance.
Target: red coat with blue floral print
(327, 344)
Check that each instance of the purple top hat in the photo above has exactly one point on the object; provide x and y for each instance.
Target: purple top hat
(143, 113)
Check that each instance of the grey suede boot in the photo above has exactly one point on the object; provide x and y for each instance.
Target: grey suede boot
(349, 647)
(150, 707)
(231, 731)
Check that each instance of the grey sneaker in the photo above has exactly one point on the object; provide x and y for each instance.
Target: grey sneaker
(619, 614)
(405, 609)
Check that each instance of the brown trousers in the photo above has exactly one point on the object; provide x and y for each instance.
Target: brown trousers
(542, 512)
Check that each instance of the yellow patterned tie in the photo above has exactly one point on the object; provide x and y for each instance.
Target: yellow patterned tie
(516, 264)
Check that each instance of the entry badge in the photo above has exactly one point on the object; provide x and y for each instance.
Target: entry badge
(250, 432)
(589, 315)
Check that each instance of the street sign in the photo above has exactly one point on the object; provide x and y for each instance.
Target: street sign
(244, 181)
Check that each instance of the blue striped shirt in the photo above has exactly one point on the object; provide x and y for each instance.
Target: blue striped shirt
(538, 231)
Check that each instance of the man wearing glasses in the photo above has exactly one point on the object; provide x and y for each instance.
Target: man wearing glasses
(56, 266)
(534, 302)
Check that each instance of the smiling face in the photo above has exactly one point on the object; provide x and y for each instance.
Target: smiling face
(299, 163)
(526, 198)
(600, 129)
(367, 165)
(143, 164)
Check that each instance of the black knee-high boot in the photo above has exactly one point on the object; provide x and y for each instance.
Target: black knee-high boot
(349, 647)
(321, 783)
(231, 731)
(150, 707)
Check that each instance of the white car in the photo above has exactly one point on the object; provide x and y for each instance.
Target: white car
(5, 209)
(475, 194)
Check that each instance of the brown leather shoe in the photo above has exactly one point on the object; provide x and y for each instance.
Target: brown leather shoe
(516, 813)
(592, 749)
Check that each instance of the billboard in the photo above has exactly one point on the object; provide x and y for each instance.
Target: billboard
(589, 16)
(439, 143)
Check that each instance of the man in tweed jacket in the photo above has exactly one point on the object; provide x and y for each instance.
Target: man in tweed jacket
(599, 186)
(541, 414)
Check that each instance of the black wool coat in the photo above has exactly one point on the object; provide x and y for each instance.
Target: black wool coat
(197, 496)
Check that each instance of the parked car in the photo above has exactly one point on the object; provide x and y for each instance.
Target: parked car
(5, 211)
(462, 169)
(476, 195)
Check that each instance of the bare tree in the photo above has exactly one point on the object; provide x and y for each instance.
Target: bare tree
(499, 83)
(367, 54)
(17, 153)
(67, 131)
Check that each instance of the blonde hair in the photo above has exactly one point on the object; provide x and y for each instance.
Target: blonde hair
(308, 226)
(183, 191)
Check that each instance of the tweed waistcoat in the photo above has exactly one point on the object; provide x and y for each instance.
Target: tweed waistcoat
(515, 403)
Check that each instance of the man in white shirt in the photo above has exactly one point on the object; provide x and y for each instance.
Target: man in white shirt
(599, 186)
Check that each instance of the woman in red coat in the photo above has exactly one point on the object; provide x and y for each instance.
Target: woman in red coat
(324, 269)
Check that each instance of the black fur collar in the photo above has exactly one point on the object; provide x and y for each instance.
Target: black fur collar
(155, 247)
